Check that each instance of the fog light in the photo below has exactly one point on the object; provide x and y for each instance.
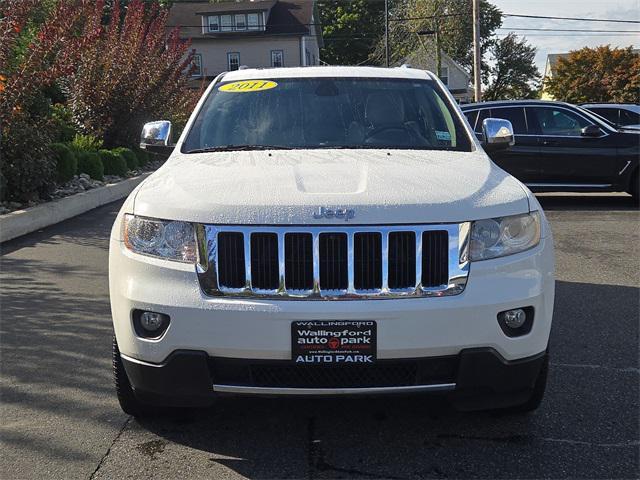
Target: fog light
(150, 324)
(516, 322)
(515, 318)
(151, 321)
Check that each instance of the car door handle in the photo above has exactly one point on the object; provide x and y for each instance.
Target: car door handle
(549, 143)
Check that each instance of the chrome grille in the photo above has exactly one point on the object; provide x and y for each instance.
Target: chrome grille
(333, 262)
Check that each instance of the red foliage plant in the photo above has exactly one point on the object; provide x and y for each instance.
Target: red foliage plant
(135, 71)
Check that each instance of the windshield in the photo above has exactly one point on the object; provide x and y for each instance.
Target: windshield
(327, 113)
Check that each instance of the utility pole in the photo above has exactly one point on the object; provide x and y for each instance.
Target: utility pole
(436, 37)
(476, 51)
(386, 32)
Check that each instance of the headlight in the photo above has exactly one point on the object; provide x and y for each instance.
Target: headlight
(498, 237)
(160, 238)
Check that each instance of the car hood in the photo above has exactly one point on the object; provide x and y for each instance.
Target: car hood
(289, 186)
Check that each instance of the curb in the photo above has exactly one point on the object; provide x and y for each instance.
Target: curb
(21, 222)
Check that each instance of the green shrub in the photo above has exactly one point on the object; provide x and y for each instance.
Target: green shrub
(26, 161)
(62, 121)
(113, 163)
(89, 163)
(143, 156)
(129, 156)
(66, 162)
(85, 143)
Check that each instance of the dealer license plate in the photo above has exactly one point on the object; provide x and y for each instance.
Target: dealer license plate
(333, 341)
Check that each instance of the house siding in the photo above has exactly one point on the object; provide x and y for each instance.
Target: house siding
(254, 52)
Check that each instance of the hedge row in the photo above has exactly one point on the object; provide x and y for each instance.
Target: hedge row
(72, 161)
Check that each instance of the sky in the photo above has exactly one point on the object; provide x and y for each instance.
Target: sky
(560, 42)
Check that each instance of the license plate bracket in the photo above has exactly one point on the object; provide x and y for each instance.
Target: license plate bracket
(334, 342)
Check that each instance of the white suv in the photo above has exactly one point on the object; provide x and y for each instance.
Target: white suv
(330, 231)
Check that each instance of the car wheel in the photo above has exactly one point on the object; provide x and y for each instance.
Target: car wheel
(126, 397)
(537, 395)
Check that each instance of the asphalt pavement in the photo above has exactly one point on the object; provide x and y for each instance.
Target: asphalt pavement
(60, 417)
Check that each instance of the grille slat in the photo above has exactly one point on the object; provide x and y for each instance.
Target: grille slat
(435, 258)
(334, 262)
(402, 260)
(298, 261)
(231, 272)
(368, 261)
(264, 261)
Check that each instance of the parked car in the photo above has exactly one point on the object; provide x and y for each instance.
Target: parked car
(330, 231)
(561, 147)
(622, 115)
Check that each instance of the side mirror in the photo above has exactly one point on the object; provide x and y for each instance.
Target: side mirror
(156, 134)
(497, 134)
(591, 131)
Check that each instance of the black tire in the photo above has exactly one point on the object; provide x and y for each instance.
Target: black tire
(126, 397)
(537, 395)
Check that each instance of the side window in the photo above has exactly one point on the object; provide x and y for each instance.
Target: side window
(515, 115)
(559, 122)
(233, 61)
(628, 117)
(471, 117)
(482, 115)
(610, 114)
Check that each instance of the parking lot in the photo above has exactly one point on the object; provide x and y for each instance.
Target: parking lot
(61, 418)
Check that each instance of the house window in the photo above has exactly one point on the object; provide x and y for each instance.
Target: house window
(233, 61)
(444, 75)
(226, 23)
(197, 65)
(214, 23)
(277, 58)
(253, 21)
(241, 22)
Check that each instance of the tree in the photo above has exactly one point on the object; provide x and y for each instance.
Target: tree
(600, 74)
(452, 19)
(34, 54)
(514, 74)
(350, 30)
(134, 72)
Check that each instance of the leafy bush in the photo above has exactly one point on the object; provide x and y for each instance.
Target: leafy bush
(136, 69)
(89, 163)
(26, 162)
(113, 163)
(63, 123)
(66, 162)
(85, 143)
(129, 156)
(142, 155)
(34, 54)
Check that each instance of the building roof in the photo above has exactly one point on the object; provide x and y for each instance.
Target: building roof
(285, 17)
(418, 59)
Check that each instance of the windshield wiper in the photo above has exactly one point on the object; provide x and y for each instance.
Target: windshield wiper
(238, 148)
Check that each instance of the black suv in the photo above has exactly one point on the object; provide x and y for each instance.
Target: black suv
(561, 147)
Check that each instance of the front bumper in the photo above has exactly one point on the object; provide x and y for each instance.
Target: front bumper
(475, 378)
(248, 328)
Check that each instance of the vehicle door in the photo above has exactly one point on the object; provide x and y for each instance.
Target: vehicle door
(519, 160)
(568, 157)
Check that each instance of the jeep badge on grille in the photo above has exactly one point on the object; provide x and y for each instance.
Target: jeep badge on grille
(340, 213)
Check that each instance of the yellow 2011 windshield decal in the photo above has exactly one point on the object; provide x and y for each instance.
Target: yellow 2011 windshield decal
(248, 86)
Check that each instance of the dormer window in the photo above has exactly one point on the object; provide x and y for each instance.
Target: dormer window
(238, 22)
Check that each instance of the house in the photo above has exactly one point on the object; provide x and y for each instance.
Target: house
(452, 74)
(253, 33)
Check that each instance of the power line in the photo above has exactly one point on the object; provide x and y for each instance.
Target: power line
(571, 18)
(568, 30)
